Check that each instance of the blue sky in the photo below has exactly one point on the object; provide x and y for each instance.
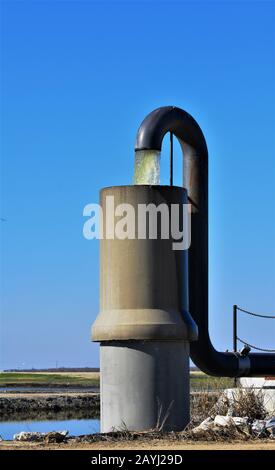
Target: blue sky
(77, 80)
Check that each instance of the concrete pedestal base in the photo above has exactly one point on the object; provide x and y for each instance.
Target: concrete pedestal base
(144, 385)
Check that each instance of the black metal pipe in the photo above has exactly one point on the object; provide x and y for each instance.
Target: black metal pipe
(235, 335)
(192, 141)
(235, 328)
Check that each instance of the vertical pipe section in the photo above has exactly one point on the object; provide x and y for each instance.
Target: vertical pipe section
(235, 328)
(235, 336)
(143, 327)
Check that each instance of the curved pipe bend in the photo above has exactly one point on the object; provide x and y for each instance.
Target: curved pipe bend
(195, 162)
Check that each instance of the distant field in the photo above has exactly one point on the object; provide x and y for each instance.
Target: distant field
(198, 380)
(201, 381)
(51, 379)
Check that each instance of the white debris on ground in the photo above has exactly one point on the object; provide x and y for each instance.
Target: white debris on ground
(270, 426)
(54, 436)
(251, 427)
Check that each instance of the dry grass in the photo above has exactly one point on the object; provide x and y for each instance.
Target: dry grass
(199, 381)
(246, 403)
(202, 406)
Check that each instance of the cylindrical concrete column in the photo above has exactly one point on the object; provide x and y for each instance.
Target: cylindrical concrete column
(144, 385)
(144, 326)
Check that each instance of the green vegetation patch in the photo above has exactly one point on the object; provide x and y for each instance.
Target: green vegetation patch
(198, 380)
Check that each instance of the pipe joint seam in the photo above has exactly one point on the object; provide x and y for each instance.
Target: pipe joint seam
(244, 366)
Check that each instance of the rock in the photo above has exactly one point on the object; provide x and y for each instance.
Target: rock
(258, 426)
(223, 421)
(239, 421)
(206, 424)
(241, 425)
(29, 436)
(55, 436)
(204, 427)
(270, 426)
(270, 423)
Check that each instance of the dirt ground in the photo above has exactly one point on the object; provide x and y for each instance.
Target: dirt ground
(142, 445)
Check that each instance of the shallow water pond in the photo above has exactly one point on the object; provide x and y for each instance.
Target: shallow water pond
(76, 427)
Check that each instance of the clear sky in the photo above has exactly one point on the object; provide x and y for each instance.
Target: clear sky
(77, 80)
